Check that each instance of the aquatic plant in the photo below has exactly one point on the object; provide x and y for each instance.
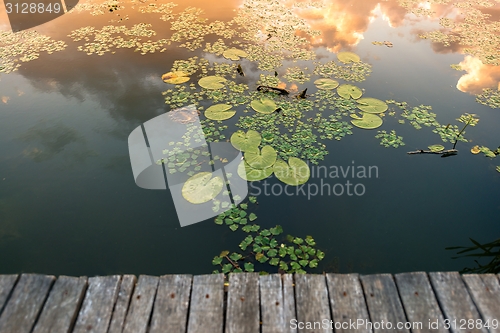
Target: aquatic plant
(468, 120)
(390, 139)
(219, 112)
(489, 251)
(366, 121)
(347, 57)
(295, 172)
(489, 97)
(202, 187)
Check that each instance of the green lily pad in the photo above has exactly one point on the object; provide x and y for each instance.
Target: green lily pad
(261, 159)
(347, 57)
(202, 188)
(264, 105)
(219, 112)
(436, 148)
(250, 174)
(175, 77)
(367, 121)
(245, 141)
(234, 54)
(371, 105)
(348, 90)
(327, 84)
(295, 172)
(212, 82)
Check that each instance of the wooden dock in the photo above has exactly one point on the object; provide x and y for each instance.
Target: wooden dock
(250, 303)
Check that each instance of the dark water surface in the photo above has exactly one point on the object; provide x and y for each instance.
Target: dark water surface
(69, 203)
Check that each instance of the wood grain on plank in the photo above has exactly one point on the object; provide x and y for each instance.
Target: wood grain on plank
(485, 292)
(454, 300)
(383, 303)
(142, 304)
(313, 309)
(420, 303)
(272, 304)
(7, 283)
(347, 302)
(289, 308)
(206, 311)
(100, 297)
(170, 312)
(242, 315)
(25, 303)
(61, 308)
(127, 285)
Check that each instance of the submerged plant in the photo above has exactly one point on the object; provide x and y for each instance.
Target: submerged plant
(489, 251)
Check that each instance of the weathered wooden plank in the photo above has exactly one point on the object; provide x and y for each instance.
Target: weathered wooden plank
(206, 312)
(289, 309)
(170, 312)
(98, 303)
(142, 303)
(272, 304)
(455, 301)
(347, 302)
(122, 302)
(61, 308)
(420, 303)
(383, 303)
(25, 303)
(485, 292)
(313, 310)
(242, 315)
(7, 283)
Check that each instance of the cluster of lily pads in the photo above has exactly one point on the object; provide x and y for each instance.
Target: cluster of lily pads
(489, 97)
(264, 246)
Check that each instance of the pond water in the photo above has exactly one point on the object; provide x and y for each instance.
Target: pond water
(68, 200)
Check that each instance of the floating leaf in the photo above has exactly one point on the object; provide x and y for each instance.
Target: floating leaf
(219, 112)
(212, 82)
(348, 90)
(217, 260)
(261, 158)
(327, 84)
(253, 217)
(436, 148)
(250, 174)
(245, 141)
(475, 150)
(368, 121)
(295, 172)
(249, 267)
(175, 77)
(371, 105)
(347, 57)
(234, 54)
(498, 168)
(265, 105)
(202, 188)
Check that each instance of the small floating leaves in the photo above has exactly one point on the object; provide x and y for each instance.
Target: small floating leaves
(265, 105)
(219, 112)
(234, 54)
(347, 57)
(348, 90)
(261, 158)
(175, 77)
(436, 148)
(390, 139)
(212, 82)
(295, 172)
(202, 188)
(475, 150)
(498, 168)
(250, 174)
(327, 84)
(245, 141)
(371, 105)
(367, 121)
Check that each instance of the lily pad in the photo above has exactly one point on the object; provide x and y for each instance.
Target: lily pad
(219, 112)
(295, 172)
(436, 148)
(261, 159)
(212, 82)
(348, 90)
(327, 84)
(371, 105)
(234, 54)
(175, 77)
(367, 121)
(245, 141)
(202, 188)
(475, 150)
(347, 57)
(264, 105)
(250, 174)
